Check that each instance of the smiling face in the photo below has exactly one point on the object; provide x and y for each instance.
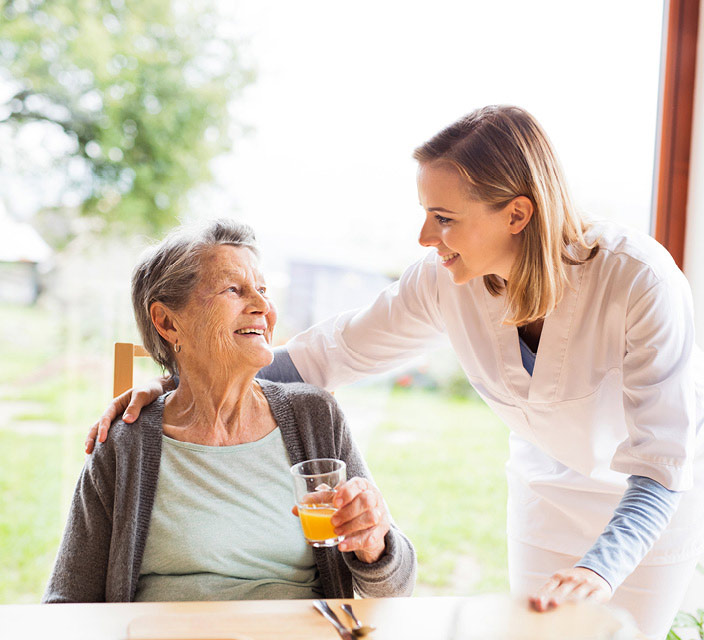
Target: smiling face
(471, 239)
(228, 321)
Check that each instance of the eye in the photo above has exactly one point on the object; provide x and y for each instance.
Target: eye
(442, 220)
(262, 290)
(233, 289)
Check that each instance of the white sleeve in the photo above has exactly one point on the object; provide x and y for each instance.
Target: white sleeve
(403, 321)
(659, 384)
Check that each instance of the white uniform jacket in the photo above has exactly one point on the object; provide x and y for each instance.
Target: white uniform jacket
(617, 389)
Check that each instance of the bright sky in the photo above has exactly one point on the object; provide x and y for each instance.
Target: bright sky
(345, 92)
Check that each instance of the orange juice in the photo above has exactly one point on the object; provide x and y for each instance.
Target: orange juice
(315, 521)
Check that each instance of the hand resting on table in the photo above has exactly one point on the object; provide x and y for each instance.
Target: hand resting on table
(571, 585)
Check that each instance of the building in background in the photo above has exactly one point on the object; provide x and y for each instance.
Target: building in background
(317, 291)
(23, 254)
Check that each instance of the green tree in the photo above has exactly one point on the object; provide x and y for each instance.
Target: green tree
(140, 88)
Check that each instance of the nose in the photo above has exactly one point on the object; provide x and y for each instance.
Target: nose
(258, 303)
(428, 234)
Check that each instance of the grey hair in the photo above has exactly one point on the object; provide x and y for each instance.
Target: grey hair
(169, 271)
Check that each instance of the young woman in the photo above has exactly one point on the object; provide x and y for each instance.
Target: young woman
(579, 335)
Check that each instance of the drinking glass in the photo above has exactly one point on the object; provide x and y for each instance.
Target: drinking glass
(314, 485)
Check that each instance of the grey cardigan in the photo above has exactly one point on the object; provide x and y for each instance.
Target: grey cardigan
(101, 551)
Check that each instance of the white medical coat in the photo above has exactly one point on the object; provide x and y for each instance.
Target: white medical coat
(617, 389)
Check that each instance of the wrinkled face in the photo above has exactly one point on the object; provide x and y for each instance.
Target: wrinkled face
(471, 239)
(229, 321)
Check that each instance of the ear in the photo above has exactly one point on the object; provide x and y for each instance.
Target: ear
(164, 322)
(520, 211)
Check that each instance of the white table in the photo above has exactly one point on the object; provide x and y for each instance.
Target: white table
(487, 617)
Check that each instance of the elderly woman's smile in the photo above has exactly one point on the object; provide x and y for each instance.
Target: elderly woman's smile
(229, 318)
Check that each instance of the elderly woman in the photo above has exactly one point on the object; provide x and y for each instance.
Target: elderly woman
(194, 503)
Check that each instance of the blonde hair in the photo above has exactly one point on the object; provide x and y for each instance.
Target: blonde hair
(169, 272)
(502, 152)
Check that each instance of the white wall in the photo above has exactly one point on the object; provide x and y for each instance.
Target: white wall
(694, 251)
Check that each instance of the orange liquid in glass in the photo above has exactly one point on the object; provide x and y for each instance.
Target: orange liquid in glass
(316, 522)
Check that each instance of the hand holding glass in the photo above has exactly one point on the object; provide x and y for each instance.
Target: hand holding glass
(314, 485)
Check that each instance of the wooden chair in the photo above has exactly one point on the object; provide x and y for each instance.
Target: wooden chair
(125, 352)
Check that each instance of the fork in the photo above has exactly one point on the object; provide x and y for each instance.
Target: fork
(324, 609)
(360, 630)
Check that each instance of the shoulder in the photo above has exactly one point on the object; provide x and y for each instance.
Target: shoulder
(420, 276)
(126, 440)
(633, 262)
(420, 287)
(300, 395)
(632, 249)
(424, 270)
(311, 422)
(149, 421)
(311, 406)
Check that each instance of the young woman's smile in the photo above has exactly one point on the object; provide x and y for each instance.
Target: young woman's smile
(471, 238)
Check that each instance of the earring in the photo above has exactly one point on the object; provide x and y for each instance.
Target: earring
(177, 348)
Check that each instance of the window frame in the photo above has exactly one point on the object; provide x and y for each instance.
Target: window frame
(675, 118)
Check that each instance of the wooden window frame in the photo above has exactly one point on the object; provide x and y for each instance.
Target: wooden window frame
(676, 110)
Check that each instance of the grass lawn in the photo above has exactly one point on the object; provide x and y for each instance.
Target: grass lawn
(440, 465)
(37, 476)
(438, 461)
(29, 340)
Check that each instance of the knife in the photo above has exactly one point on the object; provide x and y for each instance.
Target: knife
(327, 613)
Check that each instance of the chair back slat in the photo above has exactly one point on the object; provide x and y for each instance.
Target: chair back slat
(125, 352)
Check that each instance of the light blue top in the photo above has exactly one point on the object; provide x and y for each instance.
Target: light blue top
(640, 517)
(644, 511)
(527, 356)
(222, 527)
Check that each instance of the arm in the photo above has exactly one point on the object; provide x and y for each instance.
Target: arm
(659, 397)
(643, 513)
(281, 369)
(128, 405)
(659, 406)
(401, 323)
(81, 566)
(640, 517)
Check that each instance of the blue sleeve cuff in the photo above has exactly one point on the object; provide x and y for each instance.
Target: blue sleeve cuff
(640, 517)
(282, 369)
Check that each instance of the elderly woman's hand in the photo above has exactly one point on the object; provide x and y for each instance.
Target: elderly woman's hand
(362, 517)
(576, 583)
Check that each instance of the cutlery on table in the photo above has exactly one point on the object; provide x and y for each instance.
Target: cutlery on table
(359, 629)
(324, 609)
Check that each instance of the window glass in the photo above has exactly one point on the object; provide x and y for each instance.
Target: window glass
(343, 97)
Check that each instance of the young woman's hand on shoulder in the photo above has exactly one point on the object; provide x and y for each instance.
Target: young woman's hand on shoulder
(131, 403)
